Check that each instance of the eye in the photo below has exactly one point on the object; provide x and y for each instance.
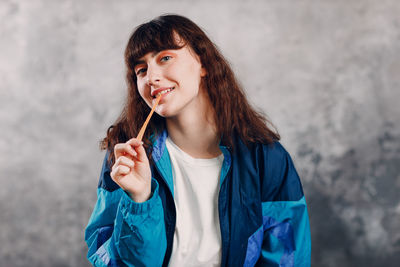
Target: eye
(140, 71)
(165, 58)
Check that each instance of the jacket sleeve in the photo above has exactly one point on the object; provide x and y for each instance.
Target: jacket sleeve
(122, 232)
(286, 239)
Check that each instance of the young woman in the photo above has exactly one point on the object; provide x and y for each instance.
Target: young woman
(210, 185)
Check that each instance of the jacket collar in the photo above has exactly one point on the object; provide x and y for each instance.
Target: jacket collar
(163, 162)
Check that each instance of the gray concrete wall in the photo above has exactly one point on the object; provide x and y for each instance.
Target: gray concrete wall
(325, 72)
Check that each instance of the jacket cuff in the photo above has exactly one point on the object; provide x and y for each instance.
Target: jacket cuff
(128, 205)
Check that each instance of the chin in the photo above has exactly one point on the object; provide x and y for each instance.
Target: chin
(164, 112)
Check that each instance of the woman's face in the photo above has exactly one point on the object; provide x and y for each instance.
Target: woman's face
(174, 73)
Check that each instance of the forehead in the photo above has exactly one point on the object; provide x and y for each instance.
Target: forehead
(184, 52)
(174, 42)
(145, 41)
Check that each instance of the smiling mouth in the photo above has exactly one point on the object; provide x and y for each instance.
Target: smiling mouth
(164, 92)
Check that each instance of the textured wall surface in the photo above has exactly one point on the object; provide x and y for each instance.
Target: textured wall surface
(325, 72)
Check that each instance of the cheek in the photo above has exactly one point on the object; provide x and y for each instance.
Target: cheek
(188, 74)
(196, 70)
(141, 88)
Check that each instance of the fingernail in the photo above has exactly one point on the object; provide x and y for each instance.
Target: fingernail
(141, 142)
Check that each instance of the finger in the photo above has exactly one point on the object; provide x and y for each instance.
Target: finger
(125, 161)
(122, 149)
(116, 177)
(134, 142)
(120, 171)
(141, 152)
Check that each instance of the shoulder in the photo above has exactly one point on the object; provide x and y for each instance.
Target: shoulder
(270, 168)
(275, 156)
(274, 151)
(272, 158)
(279, 178)
(261, 157)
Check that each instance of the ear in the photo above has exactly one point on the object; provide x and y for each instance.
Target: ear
(203, 72)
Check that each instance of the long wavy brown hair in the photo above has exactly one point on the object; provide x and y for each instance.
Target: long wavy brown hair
(232, 112)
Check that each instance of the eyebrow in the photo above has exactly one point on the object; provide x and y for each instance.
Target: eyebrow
(140, 61)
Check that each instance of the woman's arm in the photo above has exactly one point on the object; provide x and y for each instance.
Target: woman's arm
(122, 232)
(286, 239)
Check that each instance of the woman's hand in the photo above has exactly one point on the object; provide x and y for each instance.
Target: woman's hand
(131, 170)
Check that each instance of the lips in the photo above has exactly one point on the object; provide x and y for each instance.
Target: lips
(164, 90)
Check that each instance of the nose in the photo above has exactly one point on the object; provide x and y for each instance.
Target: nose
(153, 75)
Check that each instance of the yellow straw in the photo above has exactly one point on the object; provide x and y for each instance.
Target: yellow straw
(143, 129)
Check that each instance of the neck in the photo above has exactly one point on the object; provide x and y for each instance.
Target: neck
(194, 131)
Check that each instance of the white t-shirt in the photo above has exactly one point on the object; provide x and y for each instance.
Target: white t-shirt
(197, 238)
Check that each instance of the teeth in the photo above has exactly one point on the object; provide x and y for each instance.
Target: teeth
(164, 91)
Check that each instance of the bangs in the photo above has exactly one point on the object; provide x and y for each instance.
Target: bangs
(154, 36)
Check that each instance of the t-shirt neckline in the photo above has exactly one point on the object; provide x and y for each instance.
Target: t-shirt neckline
(189, 159)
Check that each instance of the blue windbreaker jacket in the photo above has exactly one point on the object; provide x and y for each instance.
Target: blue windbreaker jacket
(262, 212)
